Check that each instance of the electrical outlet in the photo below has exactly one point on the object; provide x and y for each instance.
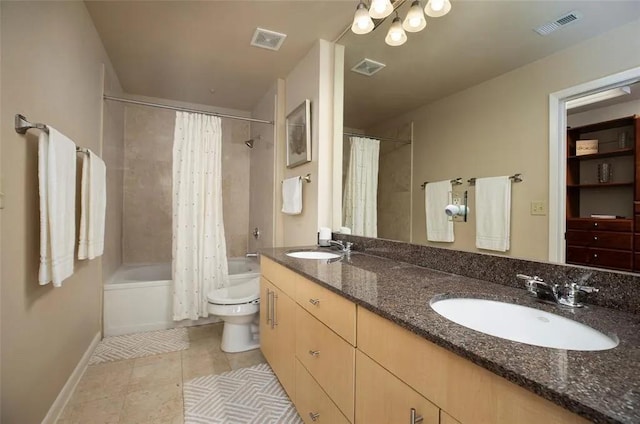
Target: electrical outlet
(538, 207)
(457, 201)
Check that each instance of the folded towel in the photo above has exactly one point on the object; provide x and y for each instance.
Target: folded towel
(493, 213)
(94, 203)
(292, 196)
(436, 199)
(57, 189)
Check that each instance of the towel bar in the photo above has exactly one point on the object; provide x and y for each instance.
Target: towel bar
(306, 178)
(455, 181)
(517, 178)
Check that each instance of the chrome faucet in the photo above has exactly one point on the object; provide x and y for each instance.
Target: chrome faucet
(345, 247)
(565, 296)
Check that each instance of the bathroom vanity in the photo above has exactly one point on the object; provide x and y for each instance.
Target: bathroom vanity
(355, 341)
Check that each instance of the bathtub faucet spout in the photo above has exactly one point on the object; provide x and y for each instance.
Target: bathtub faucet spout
(251, 255)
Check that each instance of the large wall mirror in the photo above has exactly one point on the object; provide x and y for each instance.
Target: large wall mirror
(468, 97)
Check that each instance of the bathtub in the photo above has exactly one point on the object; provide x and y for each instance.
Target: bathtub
(140, 297)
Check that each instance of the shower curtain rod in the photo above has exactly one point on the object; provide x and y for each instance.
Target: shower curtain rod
(184, 109)
(393, 140)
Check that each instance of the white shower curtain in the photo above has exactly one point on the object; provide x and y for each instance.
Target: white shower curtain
(199, 248)
(360, 200)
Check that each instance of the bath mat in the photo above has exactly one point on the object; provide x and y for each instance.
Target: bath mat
(245, 396)
(140, 344)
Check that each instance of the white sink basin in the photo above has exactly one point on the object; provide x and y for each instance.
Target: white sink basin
(522, 324)
(312, 254)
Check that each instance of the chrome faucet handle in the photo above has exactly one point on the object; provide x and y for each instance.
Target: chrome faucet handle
(571, 294)
(528, 278)
(347, 245)
(586, 289)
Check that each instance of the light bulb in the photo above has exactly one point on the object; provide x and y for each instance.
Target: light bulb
(362, 23)
(437, 8)
(380, 9)
(415, 20)
(396, 35)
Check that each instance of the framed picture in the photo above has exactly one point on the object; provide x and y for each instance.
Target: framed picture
(299, 135)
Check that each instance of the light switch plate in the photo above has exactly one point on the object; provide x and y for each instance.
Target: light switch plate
(538, 207)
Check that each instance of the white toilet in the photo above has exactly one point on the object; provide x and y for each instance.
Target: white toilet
(238, 306)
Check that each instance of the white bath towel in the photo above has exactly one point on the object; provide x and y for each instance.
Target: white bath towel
(436, 199)
(292, 196)
(493, 213)
(57, 188)
(94, 203)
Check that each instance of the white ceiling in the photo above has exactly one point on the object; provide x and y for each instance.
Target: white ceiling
(179, 50)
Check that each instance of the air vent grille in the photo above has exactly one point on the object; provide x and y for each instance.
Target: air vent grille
(267, 39)
(368, 67)
(563, 20)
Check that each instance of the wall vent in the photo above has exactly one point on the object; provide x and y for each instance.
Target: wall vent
(267, 39)
(368, 67)
(560, 22)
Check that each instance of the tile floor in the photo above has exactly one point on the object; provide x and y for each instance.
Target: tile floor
(149, 390)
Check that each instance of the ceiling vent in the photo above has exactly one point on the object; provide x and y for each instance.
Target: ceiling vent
(562, 21)
(267, 39)
(368, 67)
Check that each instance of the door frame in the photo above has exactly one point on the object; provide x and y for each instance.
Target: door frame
(558, 152)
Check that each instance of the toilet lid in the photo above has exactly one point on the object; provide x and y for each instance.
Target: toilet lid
(239, 293)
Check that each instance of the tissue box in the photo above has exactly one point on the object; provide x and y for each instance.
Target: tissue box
(586, 147)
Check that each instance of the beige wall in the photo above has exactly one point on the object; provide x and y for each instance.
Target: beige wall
(311, 79)
(500, 127)
(148, 180)
(51, 72)
(113, 156)
(263, 158)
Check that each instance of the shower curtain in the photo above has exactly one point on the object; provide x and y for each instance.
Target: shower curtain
(360, 200)
(199, 248)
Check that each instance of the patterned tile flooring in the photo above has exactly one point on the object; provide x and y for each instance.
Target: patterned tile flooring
(149, 390)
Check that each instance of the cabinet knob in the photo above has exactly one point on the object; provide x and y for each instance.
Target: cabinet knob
(595, 238)
(314, 416)
(314, 353)
(595, 256)
(314, 302)
(595, 224)
(415, 418)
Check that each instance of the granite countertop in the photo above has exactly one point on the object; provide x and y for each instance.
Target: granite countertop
(602, 386)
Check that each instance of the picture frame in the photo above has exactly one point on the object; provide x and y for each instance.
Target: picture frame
(299, 135)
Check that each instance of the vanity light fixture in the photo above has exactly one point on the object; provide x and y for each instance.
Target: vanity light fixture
(396, 35)
(380, 9)
(598, 97)
(362, 23)
(415, 20)
(437, 8)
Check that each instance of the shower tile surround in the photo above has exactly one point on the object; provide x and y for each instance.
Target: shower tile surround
(147, 221)
(600, 386)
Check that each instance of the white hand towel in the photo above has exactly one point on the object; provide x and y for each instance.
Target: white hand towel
(292, 196)
(436, 199)
(94, 203)
(493, 213)
(57, 188)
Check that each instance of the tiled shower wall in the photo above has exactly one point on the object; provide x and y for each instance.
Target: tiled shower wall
(148, 180)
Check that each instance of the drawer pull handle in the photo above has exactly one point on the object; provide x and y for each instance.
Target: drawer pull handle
(595, 238)
(314, 416)
(415, 418)
(595, 256)
(314, 353)
(314, 302)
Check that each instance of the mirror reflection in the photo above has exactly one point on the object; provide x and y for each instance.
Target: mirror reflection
(468, 97)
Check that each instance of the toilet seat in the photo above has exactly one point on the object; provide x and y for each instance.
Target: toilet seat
(247, 292)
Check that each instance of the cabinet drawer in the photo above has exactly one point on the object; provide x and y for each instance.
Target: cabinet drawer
(312, 403)
(636, 207)
(636, 262)
(618, 259)
(328, 358)
(601, 239)
(335, 311)
(381, 398)
(466, 391)
(600, 224)
(281, 277)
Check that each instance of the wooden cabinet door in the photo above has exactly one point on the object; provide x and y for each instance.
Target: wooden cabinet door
(277, 333)
(447, 419)
(381, 398)
(312, 403)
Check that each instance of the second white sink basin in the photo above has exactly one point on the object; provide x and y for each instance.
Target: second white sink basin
(312, 254)
(522, 324)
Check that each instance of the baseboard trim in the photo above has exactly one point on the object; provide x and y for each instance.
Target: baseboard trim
(67, 390)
